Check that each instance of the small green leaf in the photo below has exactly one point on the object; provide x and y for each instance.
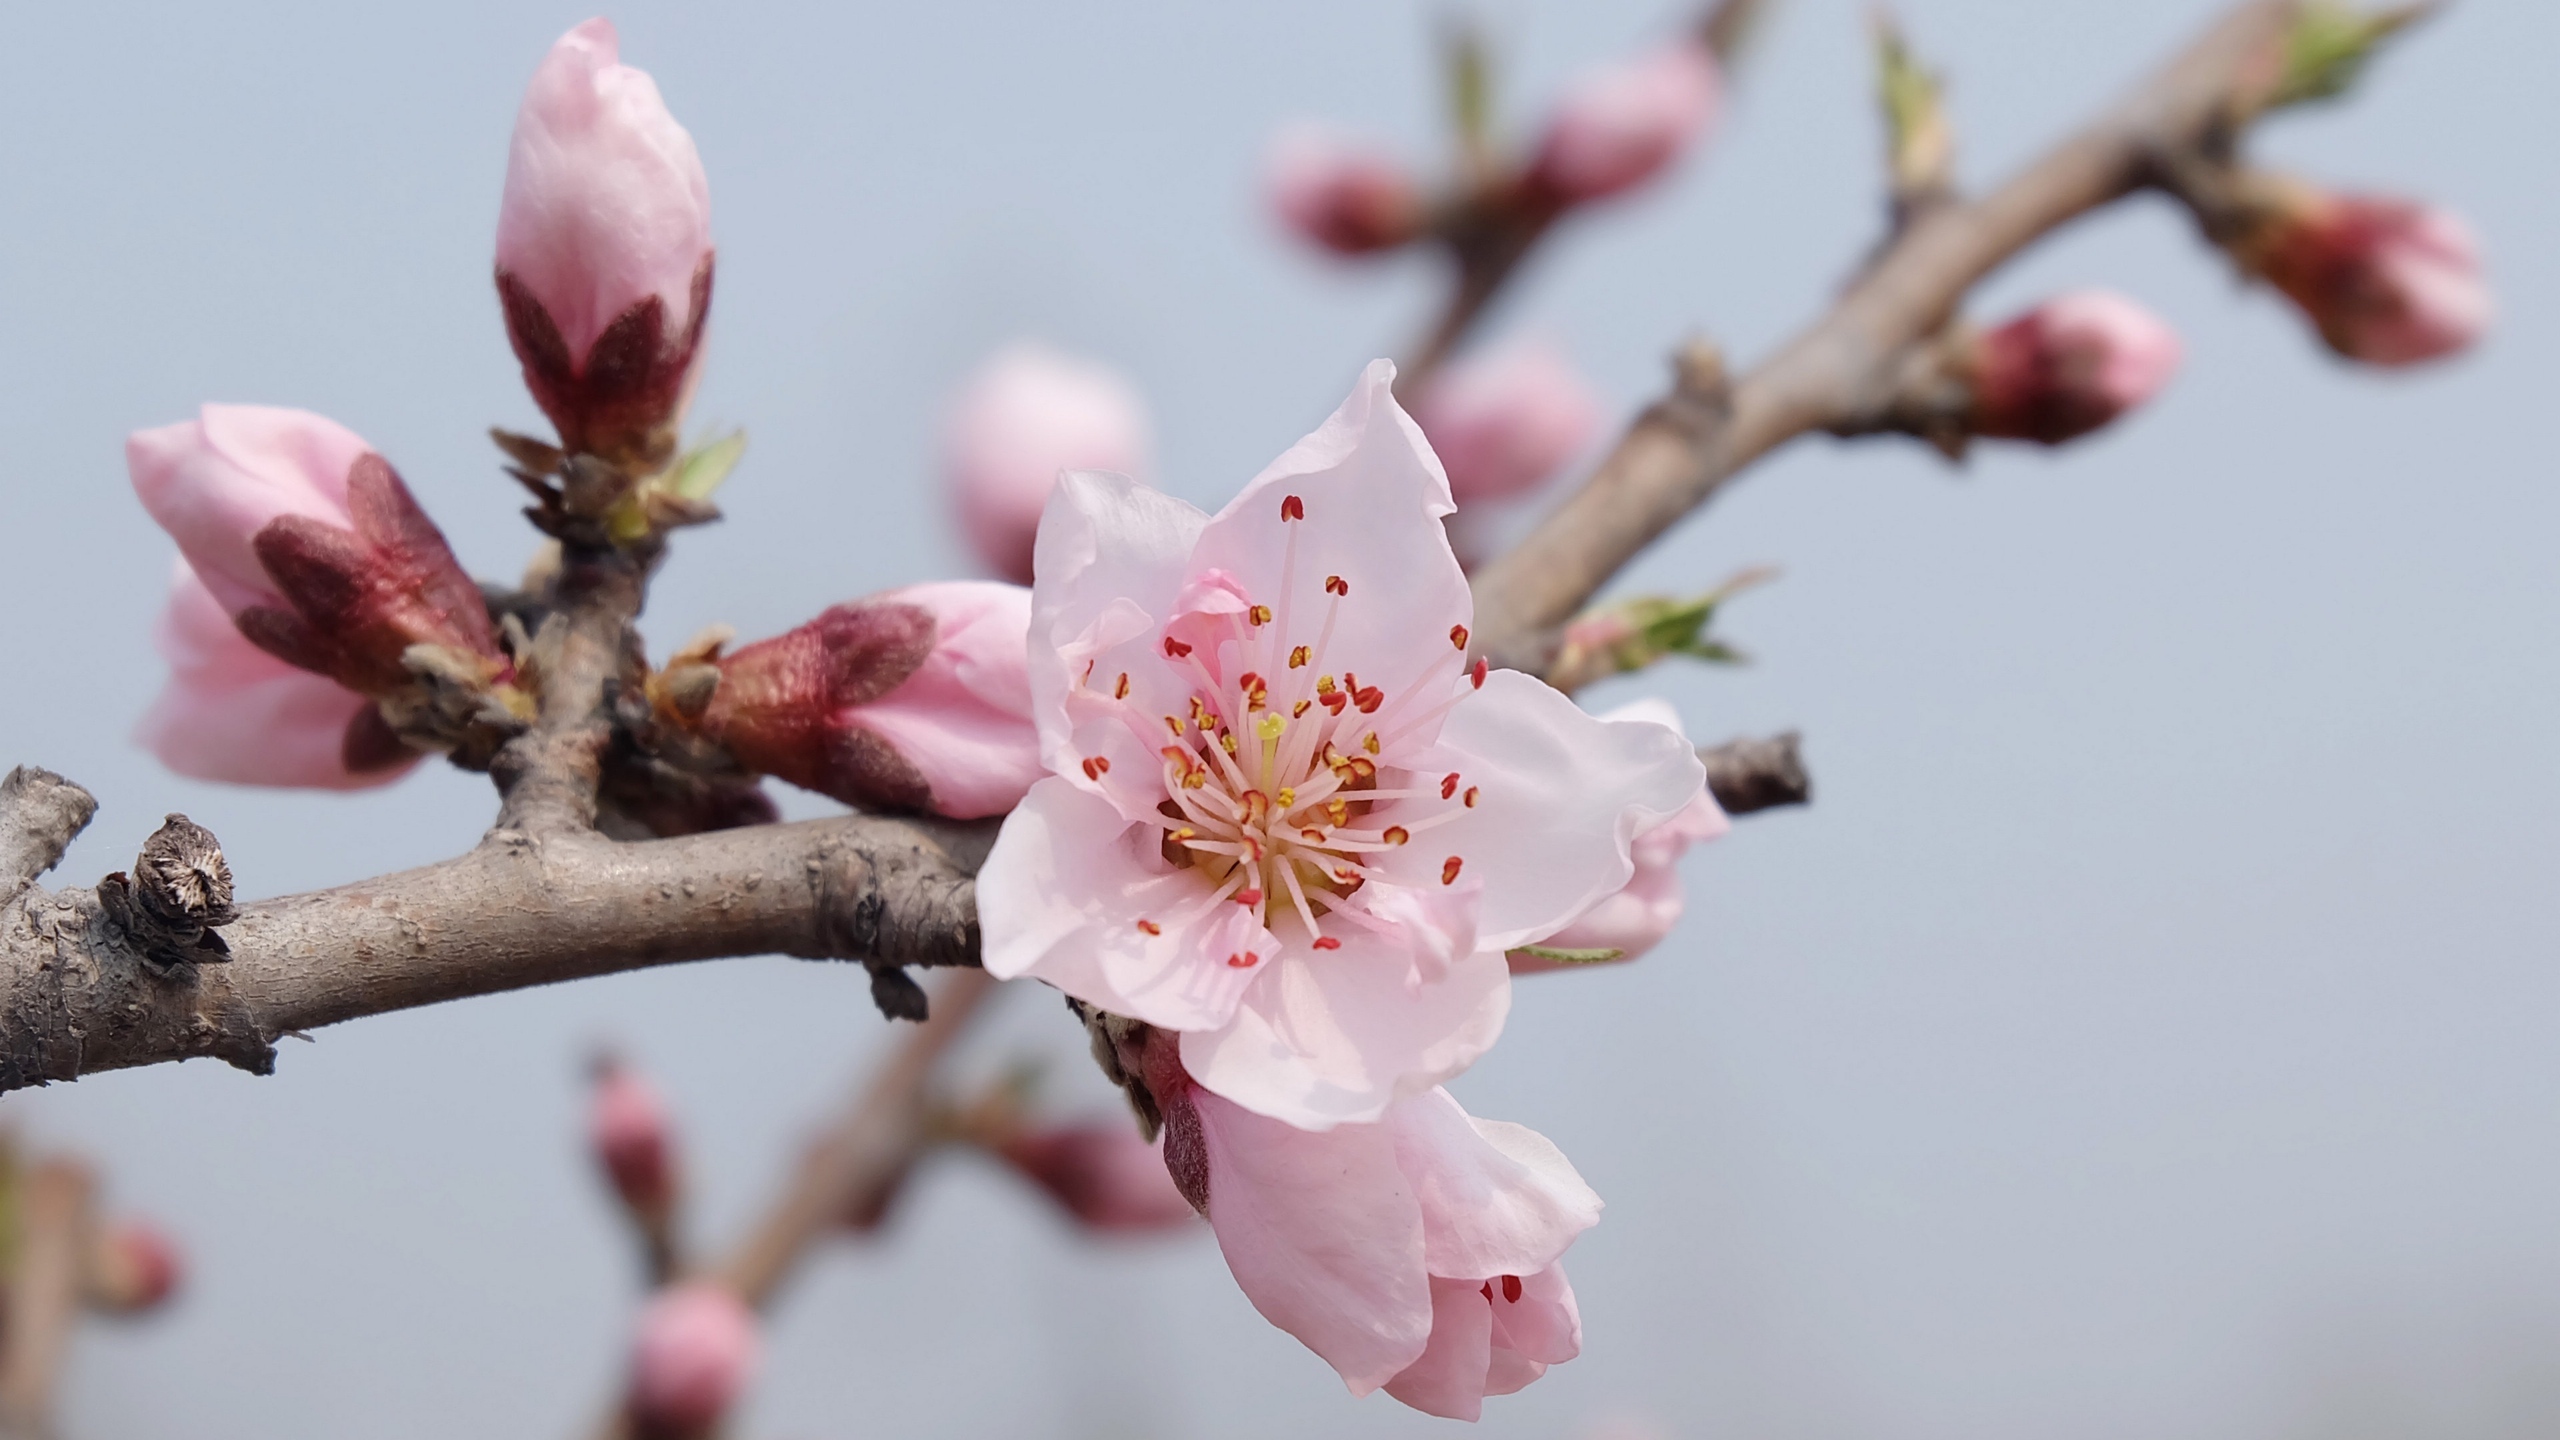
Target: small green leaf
(2330, 45)
(1569, 957)
(702, 469)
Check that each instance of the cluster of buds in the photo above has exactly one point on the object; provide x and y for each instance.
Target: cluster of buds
(917, 699)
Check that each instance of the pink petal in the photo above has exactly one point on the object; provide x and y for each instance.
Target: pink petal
(1373, 496)
(1074, 880)
(1028, 413)
(1449, 1379)
(1335, 1037)
(1109, 562)
(214, 482)
(1497, 1198)
(964, 717)
(1544, 1326)
(1324, 1236)
(1562, 797)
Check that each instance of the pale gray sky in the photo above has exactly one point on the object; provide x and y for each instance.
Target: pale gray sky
(2151, 1031)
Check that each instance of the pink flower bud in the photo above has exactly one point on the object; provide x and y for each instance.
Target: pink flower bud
(696, 1351)
(634, 1144)
(1637, 917)
(917, 699)
(312, 543)
(135, 1268)
(2069, 366)
(1340, 194)
(1621, 125)
(2387, 281)
(1028, 413)
(233, 712)
(604, 250)
(1505, 422)
(1105, 1176)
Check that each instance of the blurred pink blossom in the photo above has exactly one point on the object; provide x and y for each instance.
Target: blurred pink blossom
(1341, 194)
(1215, 696)
(1619, 126)
(1104, 1175)
(632, 1137)
(604, 235)
(696, 1351)
(2069, 366)
(1506, 421)
(230, 711)
(1029, 412)
(1636, 918)
(914, 699)
(137, 1268)
(2387, 281)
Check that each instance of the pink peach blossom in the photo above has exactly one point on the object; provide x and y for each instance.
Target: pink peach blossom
(1341, 194)
(1029, 412)
(1104, 1175)
(696, 1351)
(914, 699)
(2069, 366)
(217, 481)
(1623, 124)
(632, 1138)
(1636, 918)
(1504, 422)
(1420, 1253)
(604, 256)
(230, 711)
(1285, 816)
(2387, 281)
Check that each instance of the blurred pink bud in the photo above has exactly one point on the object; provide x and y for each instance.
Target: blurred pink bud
(2069, 366)
(1026, 414)
(2387, 281)
(311, 542)
(1506, 421)
(233, 712)
(916, 699)
(1637, 918)
(696, 1351)
(633, 1140)
(1341, 194)
(135, 1268)
(1621, 125)
(604, 250)
(1105, 1175)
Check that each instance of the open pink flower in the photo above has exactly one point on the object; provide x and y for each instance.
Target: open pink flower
(914, 699)
(1621, 125)
(1635, 919)
(1029, 412)
(1342, 194)
(1504, 421)
(2069, 366)
(695, 1353)
(230, 711)
(2387, 281)
(1286, 816)
(1420, 1253)
(604, 248)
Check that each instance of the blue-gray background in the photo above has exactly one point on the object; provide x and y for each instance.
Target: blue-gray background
(2150, 1032)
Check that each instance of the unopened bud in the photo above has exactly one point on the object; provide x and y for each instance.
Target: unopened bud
(1028, 413)
(917, 699)
(1342, 195)
(135, 1268)
(694, 1354)
(1104, 1175)
(1621, 125)
(604, 252)
(2069, 366)
(633, 1139)
(1505, 422)
(2386, 281)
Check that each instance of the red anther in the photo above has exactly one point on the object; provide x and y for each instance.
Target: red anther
(1097, 766)
(1149, 927)
(1245, 961)
(1175, 648)
(1326, 942)
(1362, 767)
(1480, 671)
(1449, 869)
(1312, 837)
(1292, 508)
(1258, 615)
(1488, 1292)
(1370, 699)
(1472, 792)
(1396, 835)
(1511, 1288)
(1336, 585)
(1448, 784)
(1458, 637)
(1333, 700)
(1248, 898)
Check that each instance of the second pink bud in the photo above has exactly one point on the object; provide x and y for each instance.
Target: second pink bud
(2069, 366)
(1028, 413)
(1504, 422)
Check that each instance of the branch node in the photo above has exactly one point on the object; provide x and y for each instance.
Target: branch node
(40, 814)
(180, 890)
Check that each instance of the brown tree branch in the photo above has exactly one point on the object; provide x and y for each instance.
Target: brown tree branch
(1685, 447)
(56, 1217)
(40, 814)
